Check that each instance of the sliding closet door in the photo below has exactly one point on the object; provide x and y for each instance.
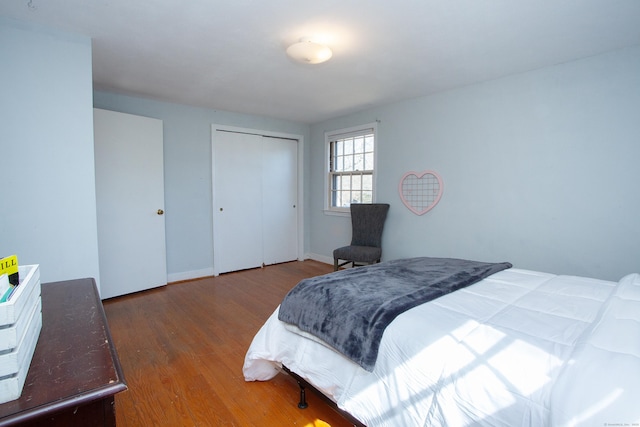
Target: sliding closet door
(255, 209)
(237, 197)
(279, 203)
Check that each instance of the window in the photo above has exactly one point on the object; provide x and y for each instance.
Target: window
(351, 166)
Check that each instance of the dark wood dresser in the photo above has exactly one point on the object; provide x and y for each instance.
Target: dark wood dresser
(75, 371)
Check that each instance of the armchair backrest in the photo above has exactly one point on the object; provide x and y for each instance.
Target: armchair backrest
(367, 223)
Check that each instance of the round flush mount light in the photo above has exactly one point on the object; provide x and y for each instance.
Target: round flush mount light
(307, 51)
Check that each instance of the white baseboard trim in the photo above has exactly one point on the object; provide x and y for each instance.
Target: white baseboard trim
(189, 275)
(320, 258)
(208, 272)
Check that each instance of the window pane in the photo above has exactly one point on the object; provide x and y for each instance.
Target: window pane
(348, 146)
(359, 144)
(356, 197)
(345, 183)
(358, 162)
(348, 163)
(335, 185)
(368, 144)
(367, 182)
(356, 182)
(368, 161)
(344, 199)
(367, 197)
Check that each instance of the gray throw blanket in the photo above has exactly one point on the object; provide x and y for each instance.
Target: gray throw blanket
(350, 309)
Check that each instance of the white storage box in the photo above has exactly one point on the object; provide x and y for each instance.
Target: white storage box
(20, 324)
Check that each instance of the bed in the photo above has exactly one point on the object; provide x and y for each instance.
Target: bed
(514, 348)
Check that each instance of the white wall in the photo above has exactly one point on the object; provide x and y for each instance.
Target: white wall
(540, 169)
(48, 206)
(187, 173)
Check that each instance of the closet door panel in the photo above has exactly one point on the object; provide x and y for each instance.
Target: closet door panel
(279, 207)
(237, 197)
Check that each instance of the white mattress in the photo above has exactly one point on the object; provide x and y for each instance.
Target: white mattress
(518, 348)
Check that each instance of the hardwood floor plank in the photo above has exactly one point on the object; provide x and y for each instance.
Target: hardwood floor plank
(182, 348)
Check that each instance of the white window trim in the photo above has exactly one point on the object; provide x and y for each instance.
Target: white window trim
(328, 136)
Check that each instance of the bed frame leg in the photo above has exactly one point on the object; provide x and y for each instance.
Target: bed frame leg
(303, 397)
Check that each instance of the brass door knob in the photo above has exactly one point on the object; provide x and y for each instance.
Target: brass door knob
(160, 212)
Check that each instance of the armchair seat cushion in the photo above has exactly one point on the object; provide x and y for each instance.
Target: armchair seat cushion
(368, 254)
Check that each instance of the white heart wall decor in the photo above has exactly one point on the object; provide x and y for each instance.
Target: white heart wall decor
(420, 192)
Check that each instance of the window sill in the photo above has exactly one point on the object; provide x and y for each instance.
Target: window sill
(336, 213)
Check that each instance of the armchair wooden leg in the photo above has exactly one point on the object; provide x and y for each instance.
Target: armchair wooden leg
(335, 264)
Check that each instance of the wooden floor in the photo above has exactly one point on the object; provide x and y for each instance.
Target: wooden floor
(182, 348)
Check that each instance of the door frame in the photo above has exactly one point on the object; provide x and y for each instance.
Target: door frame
(300, 183)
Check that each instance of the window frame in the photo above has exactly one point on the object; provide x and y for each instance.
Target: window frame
(334, 135)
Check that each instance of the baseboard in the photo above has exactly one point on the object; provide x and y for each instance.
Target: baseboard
(320, 258)
(189, 275)
(208, 272)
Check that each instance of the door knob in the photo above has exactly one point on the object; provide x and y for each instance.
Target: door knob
(160, 212)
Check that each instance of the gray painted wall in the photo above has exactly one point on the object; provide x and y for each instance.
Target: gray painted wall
(48, 206)
(540, 169)
(187, 173)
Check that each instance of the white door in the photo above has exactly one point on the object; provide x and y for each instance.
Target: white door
(237, 201)
(255, 191)
(130, 202)
(279, 203)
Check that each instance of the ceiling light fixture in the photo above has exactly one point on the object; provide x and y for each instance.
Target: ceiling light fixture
(307, 51)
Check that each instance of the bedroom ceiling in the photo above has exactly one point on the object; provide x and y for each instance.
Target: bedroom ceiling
(230, 55)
